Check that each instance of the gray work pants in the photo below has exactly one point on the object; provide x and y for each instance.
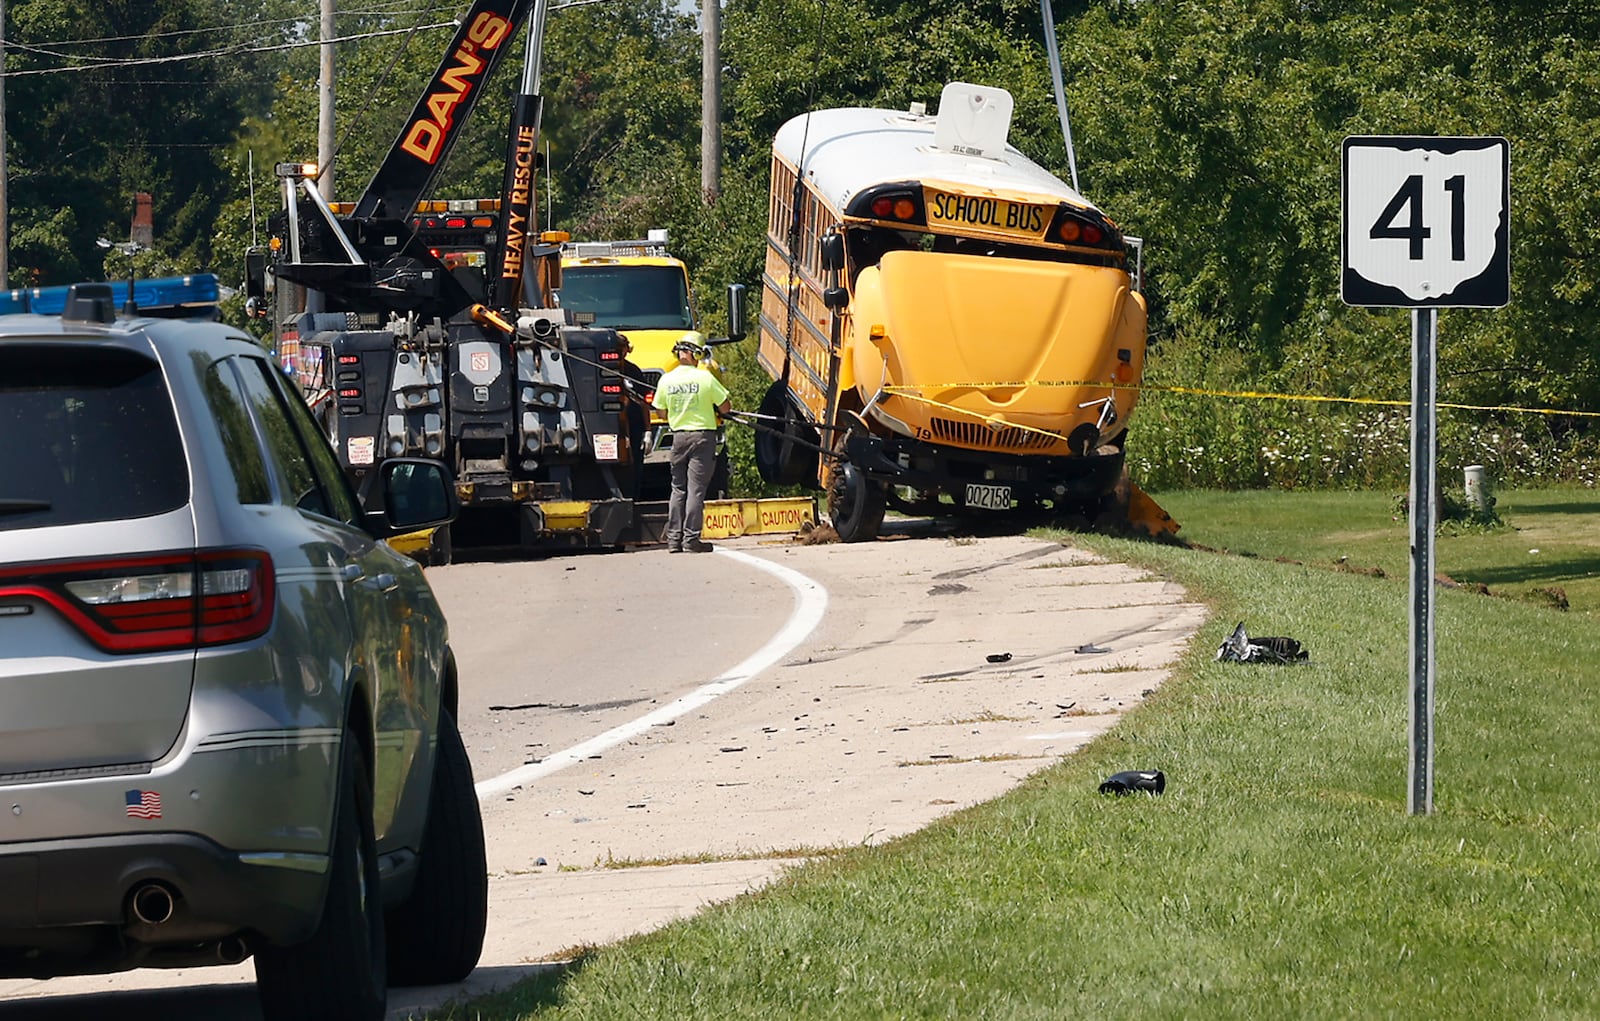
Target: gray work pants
(694, 458)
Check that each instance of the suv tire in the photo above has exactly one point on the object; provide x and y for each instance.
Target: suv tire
(436, 935)
(338, 973)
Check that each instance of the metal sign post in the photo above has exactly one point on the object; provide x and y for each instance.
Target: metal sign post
(1426, 225)
(1424, 513)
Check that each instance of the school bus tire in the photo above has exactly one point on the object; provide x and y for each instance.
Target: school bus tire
(856, 504)
(779, 458)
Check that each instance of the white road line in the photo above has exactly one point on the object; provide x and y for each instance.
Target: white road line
(810, 602)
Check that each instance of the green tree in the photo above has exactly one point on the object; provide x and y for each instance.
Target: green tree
(105, 101)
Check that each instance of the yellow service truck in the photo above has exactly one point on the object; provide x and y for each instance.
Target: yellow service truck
(641, 291)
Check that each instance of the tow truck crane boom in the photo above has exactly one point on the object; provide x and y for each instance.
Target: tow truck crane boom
(378, 261)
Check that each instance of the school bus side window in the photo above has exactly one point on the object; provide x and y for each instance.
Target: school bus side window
(782, 212)
(810, 241)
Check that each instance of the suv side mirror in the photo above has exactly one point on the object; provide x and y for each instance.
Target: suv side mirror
(417, 493)
(832, 251)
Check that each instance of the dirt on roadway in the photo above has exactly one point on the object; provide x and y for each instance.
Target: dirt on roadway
(944, 671)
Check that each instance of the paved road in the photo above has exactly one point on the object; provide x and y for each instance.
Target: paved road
(706, 720)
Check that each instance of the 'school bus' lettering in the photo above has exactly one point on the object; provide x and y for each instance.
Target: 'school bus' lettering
(975, 212)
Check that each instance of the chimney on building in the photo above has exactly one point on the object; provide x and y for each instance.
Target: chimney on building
(143, 233)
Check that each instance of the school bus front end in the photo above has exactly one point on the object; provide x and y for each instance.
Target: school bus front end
(996, 355)
(953, 326)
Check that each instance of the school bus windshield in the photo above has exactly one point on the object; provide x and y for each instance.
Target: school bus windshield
(628, 297)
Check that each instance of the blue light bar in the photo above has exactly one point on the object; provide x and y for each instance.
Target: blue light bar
(196, 293)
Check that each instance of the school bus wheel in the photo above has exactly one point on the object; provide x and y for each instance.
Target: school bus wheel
(785, 443)
(856, 503)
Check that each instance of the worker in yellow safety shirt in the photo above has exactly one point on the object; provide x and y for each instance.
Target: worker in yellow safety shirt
(692, 398)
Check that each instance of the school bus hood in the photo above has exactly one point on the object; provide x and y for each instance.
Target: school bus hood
(974, 331)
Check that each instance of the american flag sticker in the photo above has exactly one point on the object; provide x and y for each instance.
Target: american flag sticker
(143, 804)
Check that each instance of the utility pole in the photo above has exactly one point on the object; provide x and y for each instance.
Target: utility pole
(325, 105)
(710, 99)
(324, 126)
(5, 201)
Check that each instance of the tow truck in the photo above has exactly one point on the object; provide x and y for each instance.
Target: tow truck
(433, 329)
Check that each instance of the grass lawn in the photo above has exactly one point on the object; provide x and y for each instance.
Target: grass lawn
(1279, 876)
(1548, 542)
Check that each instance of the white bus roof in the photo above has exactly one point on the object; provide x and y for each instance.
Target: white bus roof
(850, 149)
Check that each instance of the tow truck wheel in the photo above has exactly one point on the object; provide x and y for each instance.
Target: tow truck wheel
(718, 490)
(855, 504)
(439, 548)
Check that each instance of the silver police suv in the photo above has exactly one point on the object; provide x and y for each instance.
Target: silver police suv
(226, 706)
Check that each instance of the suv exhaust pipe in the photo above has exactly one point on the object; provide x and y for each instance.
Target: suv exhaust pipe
(232, 951)
(152, 904)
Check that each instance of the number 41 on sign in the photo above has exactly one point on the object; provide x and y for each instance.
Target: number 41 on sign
(1427, 222)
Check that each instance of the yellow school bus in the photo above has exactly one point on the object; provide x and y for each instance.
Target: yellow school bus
(956, 328)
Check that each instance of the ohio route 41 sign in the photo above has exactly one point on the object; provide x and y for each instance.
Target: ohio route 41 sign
(1427, 222)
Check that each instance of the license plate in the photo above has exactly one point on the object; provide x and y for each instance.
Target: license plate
(989, 497)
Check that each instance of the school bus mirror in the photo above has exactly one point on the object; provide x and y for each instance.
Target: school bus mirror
(833, 251)
(835, 298)
(735, 312)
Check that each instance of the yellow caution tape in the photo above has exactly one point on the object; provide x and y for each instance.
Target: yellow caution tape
(908, 391)
(988, 420)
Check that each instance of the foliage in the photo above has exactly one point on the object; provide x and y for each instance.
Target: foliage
(103, 103)
(1212, 129)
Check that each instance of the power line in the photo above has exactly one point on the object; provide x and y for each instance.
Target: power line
(399, 7)
(395, 7)
(231, 51)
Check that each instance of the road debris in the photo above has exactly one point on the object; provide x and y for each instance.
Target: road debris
(1150, 781)
(1241, 648)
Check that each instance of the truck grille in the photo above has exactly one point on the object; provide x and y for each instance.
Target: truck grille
(977, 434)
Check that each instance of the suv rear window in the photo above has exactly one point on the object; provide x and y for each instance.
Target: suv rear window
(87, 433)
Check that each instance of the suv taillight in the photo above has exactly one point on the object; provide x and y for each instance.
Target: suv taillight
(155, 603)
